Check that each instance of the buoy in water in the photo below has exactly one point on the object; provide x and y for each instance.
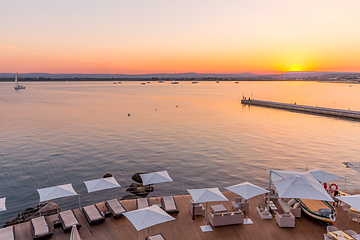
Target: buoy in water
(128, 114)
(177, 106)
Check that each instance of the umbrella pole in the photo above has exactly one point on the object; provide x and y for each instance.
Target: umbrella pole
(156, 193)
(102, 200)
(268, 198)
(79, 201)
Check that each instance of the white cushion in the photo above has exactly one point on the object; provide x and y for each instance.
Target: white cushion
(68, 218)
(291, 202)
(296, 205)
(40, 226)
(7, 233)
(92, 212)
(116, 206)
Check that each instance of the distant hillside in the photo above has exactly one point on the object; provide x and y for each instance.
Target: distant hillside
(157, 75)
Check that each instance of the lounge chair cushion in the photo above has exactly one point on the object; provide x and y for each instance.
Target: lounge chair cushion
(169, 203)
(296, 205)
(156, 237)
(7, 233)
(291, 202)
(142, 203)
(116, 206)
(68, 218)
(40, 226)
(93, 213)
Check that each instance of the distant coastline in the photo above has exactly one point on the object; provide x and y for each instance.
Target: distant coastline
(338, 77)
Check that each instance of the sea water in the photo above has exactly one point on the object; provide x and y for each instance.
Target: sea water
(54, 133)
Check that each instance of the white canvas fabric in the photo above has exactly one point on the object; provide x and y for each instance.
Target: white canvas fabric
(353, 165)
(74, 235)
(101, 184)
(352, 200)
(323, 176)
(300, 185)
(207, 195)
(2, 204)
(155, 177)
(56, 192)
(147, 217)
(247, 190)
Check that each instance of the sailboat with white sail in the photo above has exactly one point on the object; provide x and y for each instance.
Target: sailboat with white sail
(17, 86)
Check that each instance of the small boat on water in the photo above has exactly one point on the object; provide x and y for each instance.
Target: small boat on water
(160, 81)
(143, 83)
(17, 86)
(174, 82)
(320, 211)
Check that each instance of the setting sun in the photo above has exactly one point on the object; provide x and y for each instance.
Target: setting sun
(295, 68)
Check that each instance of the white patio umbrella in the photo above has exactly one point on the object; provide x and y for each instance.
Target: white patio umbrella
(56, 192)
(247, 190)
(155, 178)
(2, 204)
(352, 200)
(101, 184)
(323, 176)
(74, 235)
(206, 195)
(147, 217)
(301, 185)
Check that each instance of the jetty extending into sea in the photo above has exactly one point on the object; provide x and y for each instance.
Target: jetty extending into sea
(186, 228)
(307, 109)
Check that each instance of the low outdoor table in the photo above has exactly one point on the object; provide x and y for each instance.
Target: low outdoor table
(340, 235)
(218, 208)
(272, 206)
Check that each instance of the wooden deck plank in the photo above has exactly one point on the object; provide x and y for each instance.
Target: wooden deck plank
(186, 228)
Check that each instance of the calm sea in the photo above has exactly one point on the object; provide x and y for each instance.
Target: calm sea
(55, 133)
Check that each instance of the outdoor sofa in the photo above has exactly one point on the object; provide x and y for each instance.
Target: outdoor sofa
(93, 214)
(158, 236)
(41, 228)
(226, 218)
(7, 233)
(240, 203)
(115, 207)
(169, 205)
(290, 205)
(197, 208)
(285, 220)
(68, 219)
(142, 203)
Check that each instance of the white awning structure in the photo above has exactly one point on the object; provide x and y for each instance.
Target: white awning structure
(2, 204)
(60, 191)
(147, 217)
(101, 184)
(155, 177)
(247, 190)
(353, 165)
(352, 200)
(323, 176)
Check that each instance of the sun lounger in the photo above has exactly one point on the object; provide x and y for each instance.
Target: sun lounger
(93, 214)
(169, 204)
(68, 219)
(7, 233)
(158, 236)
(116, 208)
(142, 203)
(42, 228)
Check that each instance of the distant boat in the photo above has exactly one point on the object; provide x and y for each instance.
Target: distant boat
(217, 81)
(114, 82)
(174, 82)
(195, 82)
(17, 86)
(236, 82)
(148, 82)
(160, 81)
(119, 82)
(143, 83)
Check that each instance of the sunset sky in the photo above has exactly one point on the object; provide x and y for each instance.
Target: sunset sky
(158, 36)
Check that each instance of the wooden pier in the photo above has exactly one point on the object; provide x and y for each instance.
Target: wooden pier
(307, 109)
(186, 228)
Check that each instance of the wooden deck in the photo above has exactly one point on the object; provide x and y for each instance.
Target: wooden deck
(186, 228)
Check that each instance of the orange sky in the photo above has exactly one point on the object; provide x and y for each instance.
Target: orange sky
(188, 36)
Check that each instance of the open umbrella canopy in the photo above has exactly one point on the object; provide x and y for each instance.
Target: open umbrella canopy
(74, 235)
(302, 185)
(323, 176)
(207, 195)
(2, 204)
(247, 190)
(353, 165)
(155, 177)
(352, 200)
(56, 192)
(101, 184)
(147, 217)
